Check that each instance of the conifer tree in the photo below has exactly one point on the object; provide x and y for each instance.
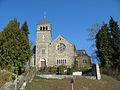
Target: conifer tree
(14, 45)
(8, 45)
(27, 49)
(115, 42)
(25, 28)
(104, 50)
(108, 45)
(2, 62)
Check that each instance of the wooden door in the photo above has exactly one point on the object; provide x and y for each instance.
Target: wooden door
(43, 63)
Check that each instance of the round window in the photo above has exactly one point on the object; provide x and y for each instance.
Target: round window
(60, 47)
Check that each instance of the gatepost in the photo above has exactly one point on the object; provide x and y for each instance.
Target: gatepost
(98, 76)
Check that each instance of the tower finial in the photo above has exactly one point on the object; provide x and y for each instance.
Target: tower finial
(44, 14)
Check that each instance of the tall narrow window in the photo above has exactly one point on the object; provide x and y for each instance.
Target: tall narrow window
(43, 51)
(46, 28)
(43, 28)
(40, 28)
(57, 61)
(61, 61)
(65, 61)
(43, 38)
(84, 61)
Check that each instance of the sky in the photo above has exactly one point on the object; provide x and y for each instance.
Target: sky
(70, 18)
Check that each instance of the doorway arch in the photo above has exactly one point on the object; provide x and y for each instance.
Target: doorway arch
(43, 62)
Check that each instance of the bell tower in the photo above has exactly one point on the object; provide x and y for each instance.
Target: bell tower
(43, 38)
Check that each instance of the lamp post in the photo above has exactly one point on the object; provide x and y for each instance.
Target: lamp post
(15, 82)
(72, 83)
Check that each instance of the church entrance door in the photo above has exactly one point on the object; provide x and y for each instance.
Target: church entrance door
(43, 62)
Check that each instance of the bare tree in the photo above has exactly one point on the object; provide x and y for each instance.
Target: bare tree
(93, 30)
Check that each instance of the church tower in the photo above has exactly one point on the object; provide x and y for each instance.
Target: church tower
(43, 39)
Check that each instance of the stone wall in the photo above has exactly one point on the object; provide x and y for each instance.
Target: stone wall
(55, 55)
(65, 76)
(84, 62)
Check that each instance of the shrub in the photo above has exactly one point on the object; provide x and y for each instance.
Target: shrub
(69, 71)
(62, 68)
(48, 69)
(111, 72)
(118, 77)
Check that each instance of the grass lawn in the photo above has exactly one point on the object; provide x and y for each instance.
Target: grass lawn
(107, 83)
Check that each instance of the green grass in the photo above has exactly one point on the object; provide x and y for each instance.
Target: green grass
(108, 78)
(107, 83)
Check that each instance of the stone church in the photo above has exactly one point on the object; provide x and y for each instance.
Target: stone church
(57, 52)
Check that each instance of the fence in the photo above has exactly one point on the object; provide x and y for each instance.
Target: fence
(19, 82)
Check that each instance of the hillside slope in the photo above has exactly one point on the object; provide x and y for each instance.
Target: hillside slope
(107, 83)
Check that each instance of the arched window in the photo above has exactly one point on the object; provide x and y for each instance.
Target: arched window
(84, 61)
(40, 28)
(43, 28)
(65, 61)
(61, 61)
(57, 61)
(46, 28)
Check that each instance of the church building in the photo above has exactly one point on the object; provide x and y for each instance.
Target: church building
(53, 53)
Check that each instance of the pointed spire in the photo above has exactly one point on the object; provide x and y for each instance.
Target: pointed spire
(44, 20)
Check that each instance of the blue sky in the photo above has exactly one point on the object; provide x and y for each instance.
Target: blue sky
(71, 18)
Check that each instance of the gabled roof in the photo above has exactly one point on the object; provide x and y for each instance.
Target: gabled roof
(82, 52)
(60, 36)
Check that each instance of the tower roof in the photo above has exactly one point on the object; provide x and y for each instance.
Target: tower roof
(43, 21)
